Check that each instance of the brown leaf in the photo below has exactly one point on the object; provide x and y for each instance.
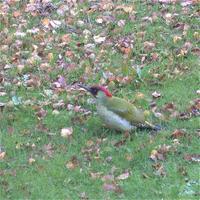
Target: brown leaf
(42, 127)
(160, 153)
(126, 8)
(170, 107)
(120, 143)
(34, 81)
(123, 176)
(16, 14)
(177, 134)
(159, 169)
(45, 22)
(148, 46)
(48, 148)
(156, 94)
(99, 39)
(66, 132)
(108, 178)
(192, 157)
(155, 56)
(10, 130)
(31, 160)
(95, 175)
(2, 155)
(125, 50)
(72, 163)
(112, 187)
(41, 113)
(184, 115)
(66, 38)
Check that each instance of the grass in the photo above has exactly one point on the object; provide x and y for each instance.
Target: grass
(24, 136)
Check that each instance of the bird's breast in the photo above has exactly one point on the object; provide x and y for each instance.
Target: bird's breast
(113, 120)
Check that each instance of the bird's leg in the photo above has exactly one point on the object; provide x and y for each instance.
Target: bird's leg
(150, 125)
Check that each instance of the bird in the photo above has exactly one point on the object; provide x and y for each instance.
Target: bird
(117, 113)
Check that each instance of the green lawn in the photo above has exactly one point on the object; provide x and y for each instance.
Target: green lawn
(133, 48)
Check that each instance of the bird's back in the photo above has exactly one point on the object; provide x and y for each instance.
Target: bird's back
(125, 109)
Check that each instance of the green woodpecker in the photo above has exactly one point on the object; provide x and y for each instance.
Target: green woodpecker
(118, 113)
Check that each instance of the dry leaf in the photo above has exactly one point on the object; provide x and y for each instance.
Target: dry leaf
(48, 148)
(112, 187)
(99, 39)
(148, 46)
(95, 175)
(41, 113)
(128, 9)
(99, 20)
(177, 134)
(123, 176)
(159, 169)
(66, 132)
(31, 161)
(16, 14)
(73, 163)
(192, 157)
(2, 155)
(160, 153)
(66, 38)
(156, 94)
(46, 22)
(176, 38)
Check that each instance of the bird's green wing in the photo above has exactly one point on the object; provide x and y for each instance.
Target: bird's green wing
(125, 110)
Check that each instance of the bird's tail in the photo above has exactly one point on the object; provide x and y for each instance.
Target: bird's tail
(152, 126)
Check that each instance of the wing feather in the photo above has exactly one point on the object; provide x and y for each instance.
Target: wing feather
(125, 109)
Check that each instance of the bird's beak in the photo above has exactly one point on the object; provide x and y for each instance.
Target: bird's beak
(87, 88)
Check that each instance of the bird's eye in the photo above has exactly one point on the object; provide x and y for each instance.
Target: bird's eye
(94, 91)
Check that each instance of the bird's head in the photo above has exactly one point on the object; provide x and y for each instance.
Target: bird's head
(97, 90)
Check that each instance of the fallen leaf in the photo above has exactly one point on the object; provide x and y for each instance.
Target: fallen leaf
(160, 152)
(125, 50)
(120, 143)
(66, 132)
(99, 20)
(176, 38)
(41, 113)
(159, 169)
(156, 94)
(123, 176)
(196, 51)
(112, 187)
(45, 22)
(2, 155)
(66, 38)
(16, 14)
(170, 107)
(184, 116)
(126, 8)
(99, 39)
(48, 148)
(95, 175)
(177, 134)
(192, 157)
(31, 160)
(148, 46)
(73, 163)
(60, 82)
